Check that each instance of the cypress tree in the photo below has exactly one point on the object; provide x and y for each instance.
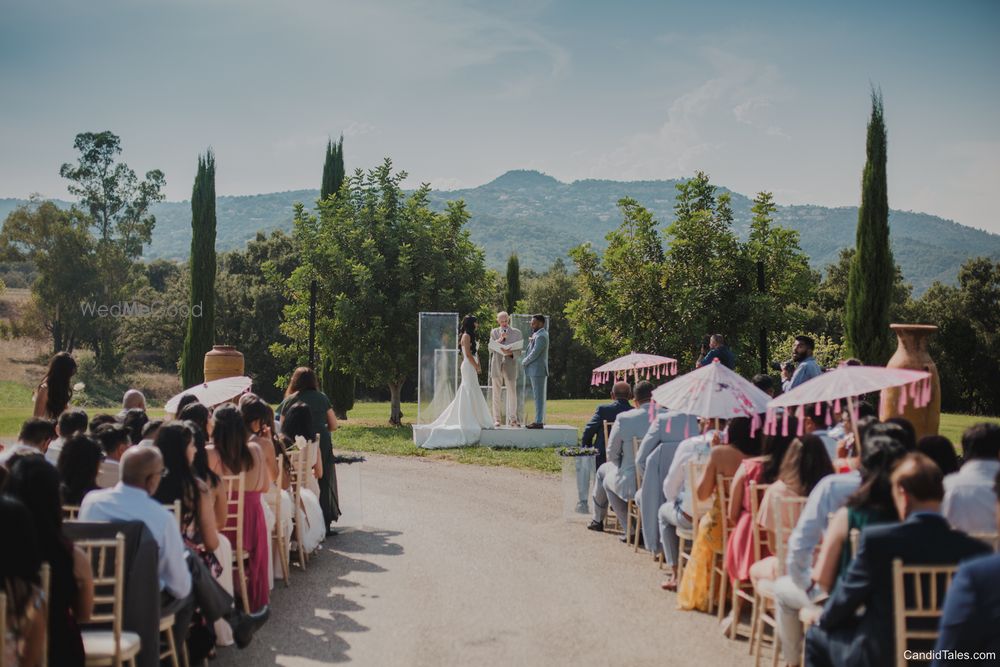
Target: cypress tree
(200, 334)
(513, 292)
(338, 386)
(870, 280)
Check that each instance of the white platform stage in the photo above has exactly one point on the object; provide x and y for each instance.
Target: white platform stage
(555, 435)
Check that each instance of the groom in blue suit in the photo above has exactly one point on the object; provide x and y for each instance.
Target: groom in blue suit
(536, 367)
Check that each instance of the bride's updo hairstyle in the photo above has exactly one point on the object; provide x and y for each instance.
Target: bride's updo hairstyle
(469, 327)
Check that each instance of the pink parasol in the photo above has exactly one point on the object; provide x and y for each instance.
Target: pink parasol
(846, 383)
(637, 365)
(712, 391)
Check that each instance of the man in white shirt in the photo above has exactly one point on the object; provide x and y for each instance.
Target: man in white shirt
(969, 501)
(129, 500)
(675, 512)
(35, 436)
(70, 423)
(184, 579)
(114, 439)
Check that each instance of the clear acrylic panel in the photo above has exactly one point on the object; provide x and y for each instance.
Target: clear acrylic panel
(349, 491)
(578, 475)
(437, 364)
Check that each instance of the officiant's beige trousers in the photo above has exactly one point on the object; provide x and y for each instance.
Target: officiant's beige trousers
(507, 377)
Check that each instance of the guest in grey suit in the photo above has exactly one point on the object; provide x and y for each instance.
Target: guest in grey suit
(536, 367)
(616, 478)
(656, 453)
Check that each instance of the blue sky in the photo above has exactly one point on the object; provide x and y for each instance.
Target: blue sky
(761, 95)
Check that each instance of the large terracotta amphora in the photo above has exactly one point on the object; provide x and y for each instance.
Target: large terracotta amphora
(912, 353)
(223, 361)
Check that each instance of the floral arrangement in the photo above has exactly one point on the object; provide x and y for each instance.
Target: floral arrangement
(577, 451)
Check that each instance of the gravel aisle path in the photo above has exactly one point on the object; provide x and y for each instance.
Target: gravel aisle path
(463, 565)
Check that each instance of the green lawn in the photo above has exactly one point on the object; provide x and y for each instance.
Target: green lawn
(367, 431)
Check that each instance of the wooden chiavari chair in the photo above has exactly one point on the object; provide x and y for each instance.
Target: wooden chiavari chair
(278, 538)
(743, 592)
(108, 647)
(928, 584)
(297, 462)
(632, 514)
(723, 489)
(235, 490)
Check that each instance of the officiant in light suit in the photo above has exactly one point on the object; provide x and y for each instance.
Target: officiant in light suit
(504, 366)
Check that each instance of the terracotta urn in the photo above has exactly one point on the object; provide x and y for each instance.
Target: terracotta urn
(912, 353)
(223, 361)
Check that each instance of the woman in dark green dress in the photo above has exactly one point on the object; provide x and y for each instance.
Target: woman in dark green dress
(304, 387)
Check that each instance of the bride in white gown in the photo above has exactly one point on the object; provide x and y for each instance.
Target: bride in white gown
(462, 422)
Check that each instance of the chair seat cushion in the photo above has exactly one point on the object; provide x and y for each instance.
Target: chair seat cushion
(99, 645)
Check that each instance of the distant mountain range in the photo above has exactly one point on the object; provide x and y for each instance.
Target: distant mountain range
(541, 218)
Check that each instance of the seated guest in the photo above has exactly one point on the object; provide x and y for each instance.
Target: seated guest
(940, 450)
(180, 576)
(133, 399)
(907, 434)
(25, 629)
(805, 464)
(856, 625)
(814, 423)
(968, 493)
(35, 483)
(766, 384)
(200, 415)
(675, 512)
(847, 449)
(100, 420)
(593, 432)
(114, 439)
(70, 423)
(134, 420)
(186, 400)
(717, 349)
(78, 465)
(871, 504)
(149, 431)
(763, 470)
(232, 454)
(616, 477)
(656, 453)
(797, 589)
(34, 438)
(971, 611)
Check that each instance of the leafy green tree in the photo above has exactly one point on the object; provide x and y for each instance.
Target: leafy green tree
(250, 301)
(337, 385)
(200, 336)
(118, 202)
(512, 293)
(781, 308)
(869, 294)
(67, 286)
(380, 257)
(621, 305)
(966, 347)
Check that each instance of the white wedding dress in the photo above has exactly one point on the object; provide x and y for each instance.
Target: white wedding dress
(463, 420)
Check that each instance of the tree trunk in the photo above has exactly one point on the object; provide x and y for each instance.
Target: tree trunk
(396, 411)
(57, 337)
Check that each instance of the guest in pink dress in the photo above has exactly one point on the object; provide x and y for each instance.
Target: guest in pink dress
(231, 454)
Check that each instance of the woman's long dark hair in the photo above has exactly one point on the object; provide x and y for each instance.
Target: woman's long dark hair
(738, 435)
(303, 379)
(78, 465)
(298, 421)
(806, 462)
(229, 435)
(61, 368)
(875, 493)
(775, 448)
(18, 565)
(197, 413)
(200, 466)
(254, 410)
(469, 327)
(35, 482)
(172, 440)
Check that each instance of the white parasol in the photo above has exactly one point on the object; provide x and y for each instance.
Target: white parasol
(712, 391)
(635, 364)
(212, 393)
